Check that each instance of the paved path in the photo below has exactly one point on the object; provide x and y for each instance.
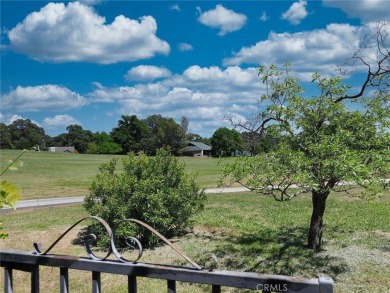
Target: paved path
(77, 199)
(32, 203)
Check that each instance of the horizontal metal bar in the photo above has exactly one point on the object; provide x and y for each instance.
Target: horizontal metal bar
(216, 277)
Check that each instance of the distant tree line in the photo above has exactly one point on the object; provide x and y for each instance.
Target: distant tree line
(131, 135)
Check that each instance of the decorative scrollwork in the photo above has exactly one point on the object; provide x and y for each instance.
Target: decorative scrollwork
(158, 234)
(87, 240)
(131, 242)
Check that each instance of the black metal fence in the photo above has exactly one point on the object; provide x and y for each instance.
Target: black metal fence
(217, 279)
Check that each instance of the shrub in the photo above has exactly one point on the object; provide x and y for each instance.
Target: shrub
(155, 190)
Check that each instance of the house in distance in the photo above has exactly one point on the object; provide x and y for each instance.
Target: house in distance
(197, 149)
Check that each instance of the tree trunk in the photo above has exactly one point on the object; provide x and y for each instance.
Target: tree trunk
(316, 224)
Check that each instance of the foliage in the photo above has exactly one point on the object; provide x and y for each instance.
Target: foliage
(225, 141)
(26, 134)
(78, 137)
(103, 144)
(155, 190)
(9, 192)
(167, 133)
(333, 141)
(131, 134)
(5, 135)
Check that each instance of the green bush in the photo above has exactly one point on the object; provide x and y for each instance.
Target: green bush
(155, 190)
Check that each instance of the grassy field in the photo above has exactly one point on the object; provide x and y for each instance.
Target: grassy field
(247, 232)
(44, 174)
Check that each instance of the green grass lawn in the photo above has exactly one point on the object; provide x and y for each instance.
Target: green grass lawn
(45, 174)
(247, 232)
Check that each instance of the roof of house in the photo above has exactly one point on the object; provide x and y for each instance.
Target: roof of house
(197, 146)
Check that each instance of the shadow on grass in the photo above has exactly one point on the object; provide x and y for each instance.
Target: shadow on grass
(280, 251)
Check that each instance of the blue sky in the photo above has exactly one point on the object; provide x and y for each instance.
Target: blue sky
(90, 62)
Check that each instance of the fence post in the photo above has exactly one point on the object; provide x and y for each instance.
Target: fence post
(64, 280)
(132, 284)
(8, 282)
(96, 283)
(171, 286)
(35, 279)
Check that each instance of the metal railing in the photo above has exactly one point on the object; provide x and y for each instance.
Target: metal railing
(30, 262)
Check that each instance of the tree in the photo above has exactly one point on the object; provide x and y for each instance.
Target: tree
(103, 144)
(225, 141)
(184, 123)
(132, 134)
(331, 142)
(166, 133)
(5, 137)
(78, 137)
(26, 134)
(59, 140)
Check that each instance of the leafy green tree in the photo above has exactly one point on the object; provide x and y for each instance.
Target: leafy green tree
(225, 141)
(5, 137)
(166, 133)
(78, 137)
(59, 140)
(184, 123)
(155, 190)
(331, 142)
(103, 144)
(131, 134)
(26, 134)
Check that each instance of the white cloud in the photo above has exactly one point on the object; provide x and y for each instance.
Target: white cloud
(296, 12)
(42, 98)
(264, 16)
(203, 94)
(184, 47)
(366, 10)
(59, 121)
(320, 50)
(76, 33)
(8, 119)
(175, 7)
(225, 20)
(147, 72)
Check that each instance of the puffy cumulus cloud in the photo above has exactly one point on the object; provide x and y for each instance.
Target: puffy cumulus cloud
(225, 20)
(44, 97)
(217, 79)
(202, 94)
(296, 12)
(59, 121)
(147, 72)
(184, 47)
(75, 33)
(319, 50)
(8, 119)
(366, 10)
